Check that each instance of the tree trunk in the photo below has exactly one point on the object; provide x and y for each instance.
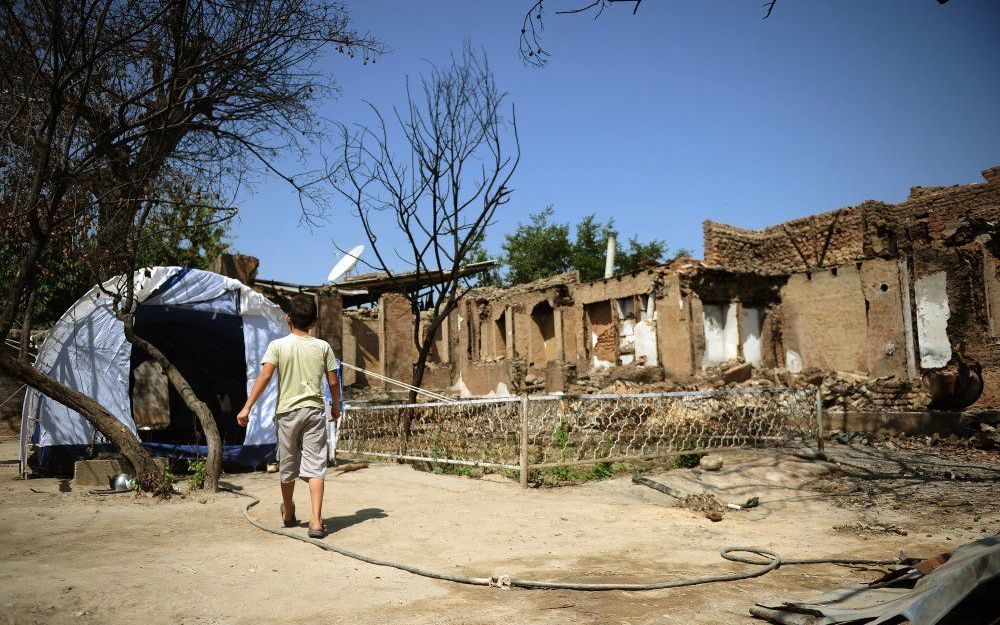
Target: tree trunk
(147, 473)
(419, 368)
(26, 323)
(213, 461)
(418, 376)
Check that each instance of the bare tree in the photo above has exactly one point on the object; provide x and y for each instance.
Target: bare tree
(104, 102)
(532, 51)
(459, 150)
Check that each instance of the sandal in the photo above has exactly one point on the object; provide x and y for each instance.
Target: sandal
(292, 522)
(320, 533)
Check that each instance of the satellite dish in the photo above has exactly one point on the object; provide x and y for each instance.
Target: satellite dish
(345, 264)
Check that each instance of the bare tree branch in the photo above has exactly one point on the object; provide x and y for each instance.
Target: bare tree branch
(461, 149)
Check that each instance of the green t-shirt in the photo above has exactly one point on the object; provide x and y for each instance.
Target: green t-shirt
(302, 363)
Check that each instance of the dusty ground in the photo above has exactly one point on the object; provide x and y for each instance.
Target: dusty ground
(69, 557)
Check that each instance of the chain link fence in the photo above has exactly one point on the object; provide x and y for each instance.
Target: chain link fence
(543, 431)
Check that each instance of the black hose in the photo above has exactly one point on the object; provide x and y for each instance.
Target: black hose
(768, 561)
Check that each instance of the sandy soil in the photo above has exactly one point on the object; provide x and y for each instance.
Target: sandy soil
(70, 557)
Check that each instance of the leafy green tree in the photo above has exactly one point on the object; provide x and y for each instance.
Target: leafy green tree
(478, 254)
(543, 248)
(538, 249)
(185, 234)
(638, 255)
(591, 247)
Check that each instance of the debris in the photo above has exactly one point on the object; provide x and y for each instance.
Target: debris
(272, 467)
(705, 503)
(710, 463)
(808, 453)
(753, 502)
(738, 373)
(874, 529)
(663, 488)
(962, 586)
(354, 466)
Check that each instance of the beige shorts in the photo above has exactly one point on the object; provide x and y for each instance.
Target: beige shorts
(301, 443)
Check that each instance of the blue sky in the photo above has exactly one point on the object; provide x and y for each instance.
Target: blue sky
(687, 111)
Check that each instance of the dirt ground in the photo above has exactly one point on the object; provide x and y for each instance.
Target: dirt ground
(70, 557)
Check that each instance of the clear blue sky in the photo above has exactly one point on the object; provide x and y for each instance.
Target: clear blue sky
(687, 111)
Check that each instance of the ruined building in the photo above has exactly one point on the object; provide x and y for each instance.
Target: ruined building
(884, 306)
(900, 302)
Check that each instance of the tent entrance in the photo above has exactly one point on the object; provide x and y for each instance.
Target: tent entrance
(207, 348)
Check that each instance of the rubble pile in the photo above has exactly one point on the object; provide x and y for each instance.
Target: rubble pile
(841, 390)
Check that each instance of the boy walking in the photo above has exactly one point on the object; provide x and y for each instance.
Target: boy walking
(302, 362)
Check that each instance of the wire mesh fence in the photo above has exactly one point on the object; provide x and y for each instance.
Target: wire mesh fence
(540, 431)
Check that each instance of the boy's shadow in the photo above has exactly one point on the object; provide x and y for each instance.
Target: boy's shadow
(337, 523)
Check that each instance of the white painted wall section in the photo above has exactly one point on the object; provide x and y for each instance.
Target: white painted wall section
(722, 334)
(645, 342)
(752, 322)
(793, 362)
(932, 320)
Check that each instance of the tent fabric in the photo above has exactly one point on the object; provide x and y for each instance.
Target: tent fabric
(87, 350)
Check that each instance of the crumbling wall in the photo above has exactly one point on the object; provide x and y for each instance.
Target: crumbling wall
(822, 240)
(602, 336)
(396, 347)
(619, 320)
(330, 320)
(730, 315)
(889, 346)
(673, 334)
(954, 232)
(933, 316)
(868, 230)
(824, 321)
(485, 379)
(361, 345)
(542, 341)
(238, 266)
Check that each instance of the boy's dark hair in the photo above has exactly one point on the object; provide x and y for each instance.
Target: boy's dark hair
(302, 311)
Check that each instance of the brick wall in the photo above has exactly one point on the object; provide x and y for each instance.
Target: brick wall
(870, 229)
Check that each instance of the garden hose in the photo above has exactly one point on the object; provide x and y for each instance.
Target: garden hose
(766, 562)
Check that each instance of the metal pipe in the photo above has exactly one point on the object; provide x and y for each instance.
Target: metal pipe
(609, 260)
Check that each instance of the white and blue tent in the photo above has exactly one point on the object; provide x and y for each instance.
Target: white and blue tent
(214, 328)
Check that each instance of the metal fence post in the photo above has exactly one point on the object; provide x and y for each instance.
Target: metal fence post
(819, 419)
(524, 441)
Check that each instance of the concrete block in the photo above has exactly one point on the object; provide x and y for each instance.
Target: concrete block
(738, 373)
(98, 473)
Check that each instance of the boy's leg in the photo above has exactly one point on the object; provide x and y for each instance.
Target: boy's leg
(313, 465)
(316, 487)
(287, 493)
(289, 451)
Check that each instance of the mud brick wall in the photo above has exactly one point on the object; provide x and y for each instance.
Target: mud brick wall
(330, 321)
(824, 240)
(870, 229)
(899, 395)
(396, 346)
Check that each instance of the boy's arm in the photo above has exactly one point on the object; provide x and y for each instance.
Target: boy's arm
(334, 382)
(266, 373)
